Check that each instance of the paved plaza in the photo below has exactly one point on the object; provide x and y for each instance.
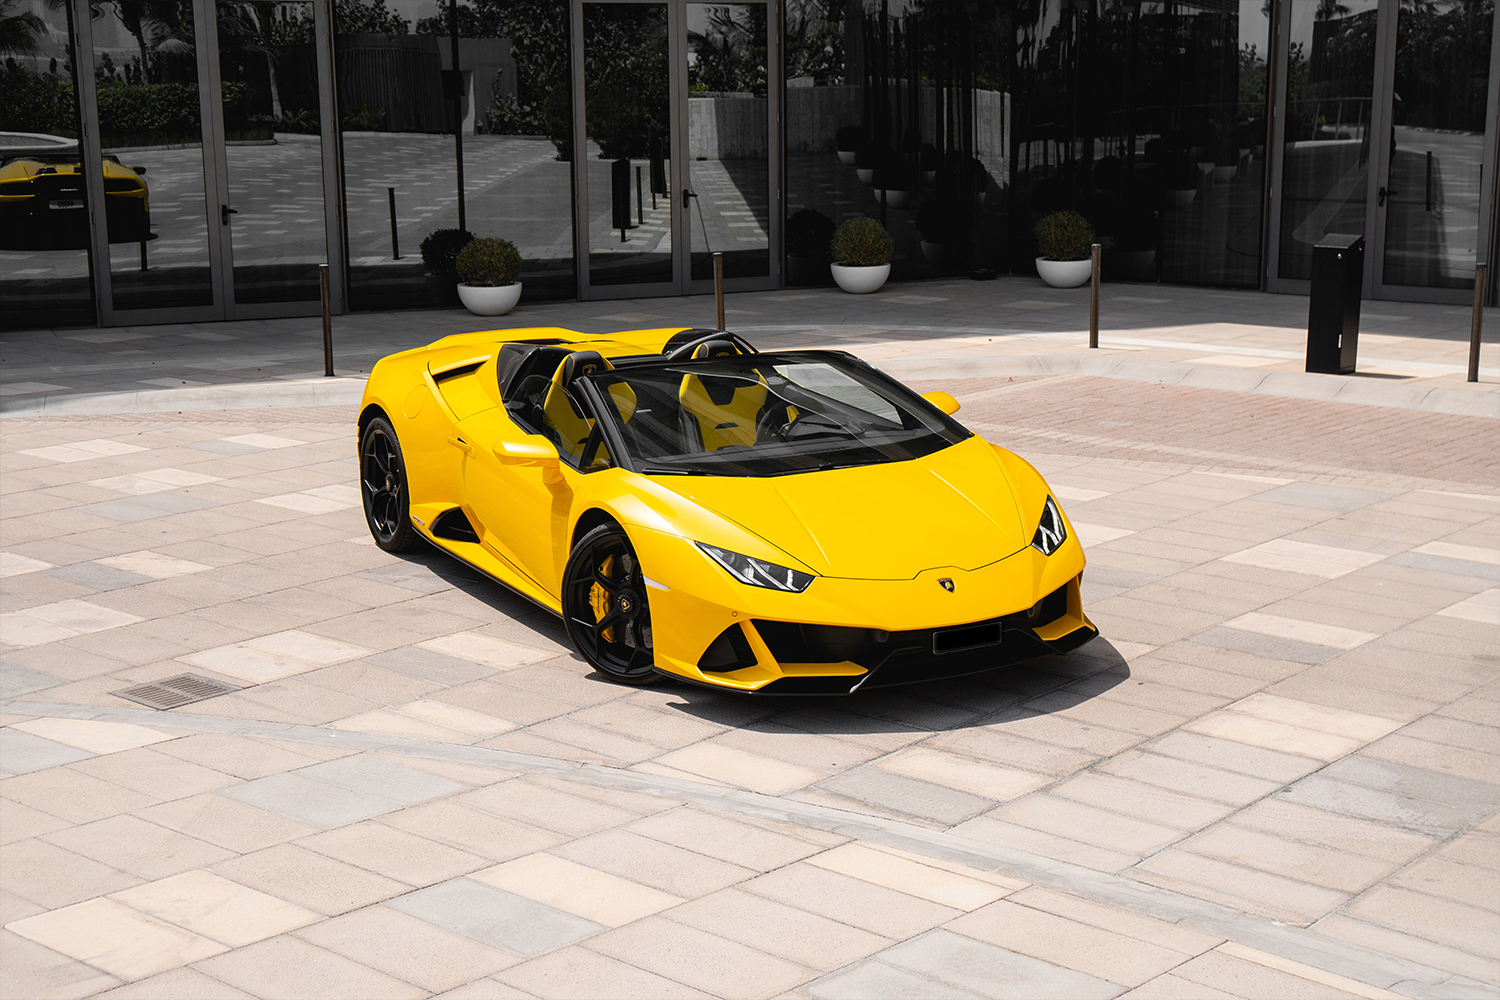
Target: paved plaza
(1276, 773)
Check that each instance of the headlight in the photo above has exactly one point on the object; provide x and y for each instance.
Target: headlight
(758, 572)
(1050, 533)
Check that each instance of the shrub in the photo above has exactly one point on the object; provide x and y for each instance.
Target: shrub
(808, 233)
(489, 262)
(440, 250)
(1065, 236)
(861, 242)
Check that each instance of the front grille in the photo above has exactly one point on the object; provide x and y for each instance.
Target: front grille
(908, 656)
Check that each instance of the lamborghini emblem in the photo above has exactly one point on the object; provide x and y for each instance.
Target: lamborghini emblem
(946, 584)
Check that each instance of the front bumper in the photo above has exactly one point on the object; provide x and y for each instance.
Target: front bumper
(847, 635)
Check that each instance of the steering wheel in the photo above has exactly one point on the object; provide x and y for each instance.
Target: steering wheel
(774, 423)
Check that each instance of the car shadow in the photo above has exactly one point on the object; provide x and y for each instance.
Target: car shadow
(1007, 694)
(495, 595)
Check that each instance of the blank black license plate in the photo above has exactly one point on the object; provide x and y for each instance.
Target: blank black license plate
(969, 637)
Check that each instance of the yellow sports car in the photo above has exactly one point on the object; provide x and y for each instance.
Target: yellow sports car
(42, 196)
(789, 522)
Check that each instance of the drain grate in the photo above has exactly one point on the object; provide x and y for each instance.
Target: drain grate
(170, 692)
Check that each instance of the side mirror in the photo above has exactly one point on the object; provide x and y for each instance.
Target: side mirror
(531, 450)
(942, 401)
(139, 170)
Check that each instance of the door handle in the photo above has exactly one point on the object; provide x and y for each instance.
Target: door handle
(686, 194)
(225, 212)
(461, 445)
(1382, 194)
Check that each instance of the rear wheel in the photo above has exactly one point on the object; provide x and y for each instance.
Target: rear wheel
(382, 476)
(605, 607)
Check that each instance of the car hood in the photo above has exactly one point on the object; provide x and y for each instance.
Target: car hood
(954, 508)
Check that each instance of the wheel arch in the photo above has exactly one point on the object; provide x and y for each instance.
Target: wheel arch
(588, 521)
(369, 413)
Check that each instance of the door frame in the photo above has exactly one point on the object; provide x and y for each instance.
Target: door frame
(681, 282)
(219, 246)
(1377, 167)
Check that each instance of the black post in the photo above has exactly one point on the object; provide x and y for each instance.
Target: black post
(1096, 257)
(1478, 321)
(1429, 180)
(395, 244)
(327, 323)
(619, 196)
(143, 255)
(456, 83)
(1338, 270)
(640, 206)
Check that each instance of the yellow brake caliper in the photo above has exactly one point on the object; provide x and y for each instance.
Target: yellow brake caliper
(599, 599)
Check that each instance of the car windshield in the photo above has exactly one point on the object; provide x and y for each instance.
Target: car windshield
(768, 415)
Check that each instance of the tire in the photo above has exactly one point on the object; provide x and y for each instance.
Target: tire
(605, 606)
(382, 474)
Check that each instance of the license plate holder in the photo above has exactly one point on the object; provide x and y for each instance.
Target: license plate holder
(956, 640)
(62, 204)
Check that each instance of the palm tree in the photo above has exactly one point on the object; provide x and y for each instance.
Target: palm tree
(21, 33)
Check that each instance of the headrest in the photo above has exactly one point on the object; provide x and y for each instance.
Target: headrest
(716, 349)
(580, 363)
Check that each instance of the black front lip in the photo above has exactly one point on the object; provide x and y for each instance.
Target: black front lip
(914, 664)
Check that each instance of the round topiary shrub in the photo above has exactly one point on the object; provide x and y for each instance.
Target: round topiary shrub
(440, 250)
(489, 263)
(1065, 236)
(861, 242)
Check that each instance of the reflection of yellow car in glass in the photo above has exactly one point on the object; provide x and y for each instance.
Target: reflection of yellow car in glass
(42, 196)
(783, 522)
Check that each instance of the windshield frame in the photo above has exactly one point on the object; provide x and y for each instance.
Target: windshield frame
(607, 419)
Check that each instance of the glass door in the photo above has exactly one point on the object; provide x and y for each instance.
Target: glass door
(674, 146)
(1432, 193)
(269, 208)
(1385, 135)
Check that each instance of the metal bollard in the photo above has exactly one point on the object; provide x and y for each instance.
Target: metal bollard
(395, 245)
(719, 289)
(640, 207)
(1480, 272)
(1097, 257)
(327, 324)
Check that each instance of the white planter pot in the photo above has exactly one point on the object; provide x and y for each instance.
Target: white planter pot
(860, 280)
(894, 198)
(1180, 198)
(486, 301)
(846, 157)
(867, 175)
(1061, 273)
(1225, 174)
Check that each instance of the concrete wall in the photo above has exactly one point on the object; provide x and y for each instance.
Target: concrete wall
(727, 128)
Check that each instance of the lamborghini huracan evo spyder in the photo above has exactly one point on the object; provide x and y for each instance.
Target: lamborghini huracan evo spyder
(788, 522)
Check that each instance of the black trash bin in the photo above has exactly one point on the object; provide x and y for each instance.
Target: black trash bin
(1338, 274)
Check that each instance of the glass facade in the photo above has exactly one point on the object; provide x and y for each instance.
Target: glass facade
(44, 234)
(244, 142)
(408, 120)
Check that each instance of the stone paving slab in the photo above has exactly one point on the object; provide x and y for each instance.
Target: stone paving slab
(1273, 775)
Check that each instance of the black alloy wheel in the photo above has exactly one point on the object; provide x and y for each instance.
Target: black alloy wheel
(382, 476)
(605, 608)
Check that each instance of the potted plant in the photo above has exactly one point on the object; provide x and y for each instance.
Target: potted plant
(487, 272)
(1066, 242)
(861, 255)
(866, 159)
(895, 183)
(808, 233)
(1181, 178)
(947, 229)
(849, 140)
(439, 251)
